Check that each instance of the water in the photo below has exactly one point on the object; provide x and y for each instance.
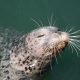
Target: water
(17, 14)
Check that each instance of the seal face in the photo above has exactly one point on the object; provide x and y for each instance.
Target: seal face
(36, 49)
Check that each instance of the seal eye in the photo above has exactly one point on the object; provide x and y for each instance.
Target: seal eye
(58, 29)
(40, 36)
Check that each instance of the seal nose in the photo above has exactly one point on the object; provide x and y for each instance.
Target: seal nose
(65, 37)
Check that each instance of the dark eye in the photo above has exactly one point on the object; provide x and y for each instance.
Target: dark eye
(58, 29)
(40, 36)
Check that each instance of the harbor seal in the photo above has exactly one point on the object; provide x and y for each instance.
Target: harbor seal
(37, 48)
(30, 53)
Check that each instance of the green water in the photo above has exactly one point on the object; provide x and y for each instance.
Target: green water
(17, 14)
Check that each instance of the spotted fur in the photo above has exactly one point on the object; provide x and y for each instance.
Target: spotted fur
(32, 52)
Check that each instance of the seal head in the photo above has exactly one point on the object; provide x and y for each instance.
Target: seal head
(37, 49)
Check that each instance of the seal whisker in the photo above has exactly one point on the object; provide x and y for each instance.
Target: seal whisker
(55, 54)
(70, 29)
(51, 62)
(66, 29)
(59, 53)
(71, 47)
(41, 22)
(35, 22)
(75, 40)
(56, 58)
(78, 36)
(49, 21)
(54, 22)
(75, 32)
(76, 47)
